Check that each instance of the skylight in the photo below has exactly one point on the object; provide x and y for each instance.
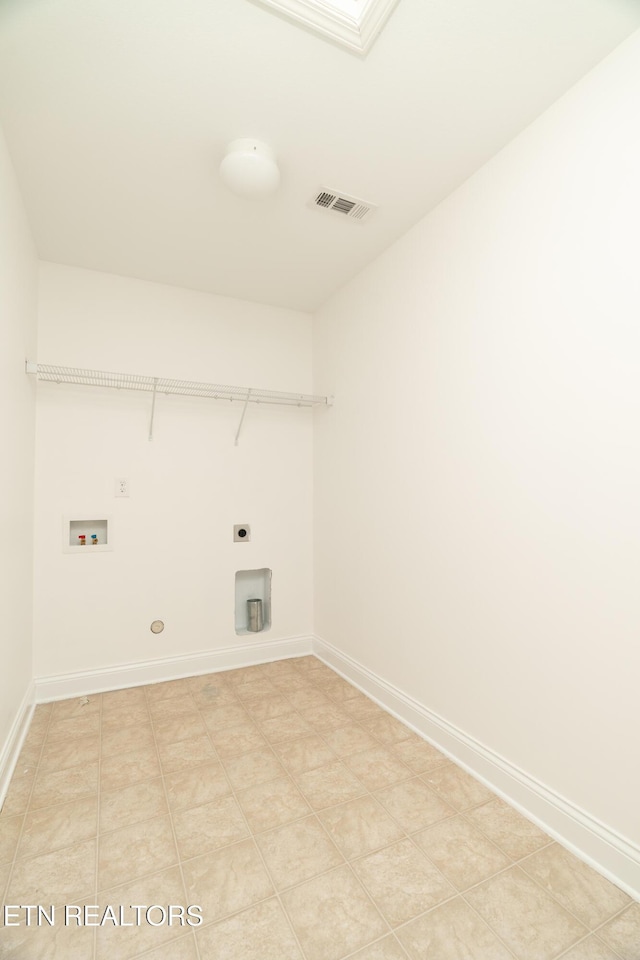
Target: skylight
(352, 23)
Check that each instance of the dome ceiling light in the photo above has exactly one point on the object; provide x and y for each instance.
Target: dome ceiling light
(249, 169)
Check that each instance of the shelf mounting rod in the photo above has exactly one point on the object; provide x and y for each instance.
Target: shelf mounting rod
(153, 407)
(244, 410)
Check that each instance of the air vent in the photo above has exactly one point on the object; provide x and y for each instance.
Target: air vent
(342, 205)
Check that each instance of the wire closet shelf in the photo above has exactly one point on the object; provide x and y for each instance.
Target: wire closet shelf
(185, 388)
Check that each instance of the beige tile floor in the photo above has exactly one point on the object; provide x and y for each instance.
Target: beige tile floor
(306, 822)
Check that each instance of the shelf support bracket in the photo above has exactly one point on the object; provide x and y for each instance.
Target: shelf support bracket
(153, 407)
(244, 410)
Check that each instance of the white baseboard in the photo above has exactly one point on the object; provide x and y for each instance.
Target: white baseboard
(13, 744)
(611, 854)
(78, 684)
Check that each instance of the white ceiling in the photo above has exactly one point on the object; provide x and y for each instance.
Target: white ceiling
(117, 115)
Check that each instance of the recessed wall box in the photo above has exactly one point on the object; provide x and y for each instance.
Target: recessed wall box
(252, 585)
(87, 534)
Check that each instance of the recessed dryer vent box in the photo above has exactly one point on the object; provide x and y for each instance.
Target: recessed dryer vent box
(252, 585)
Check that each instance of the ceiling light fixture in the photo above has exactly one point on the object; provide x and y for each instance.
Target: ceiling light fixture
(249, 169)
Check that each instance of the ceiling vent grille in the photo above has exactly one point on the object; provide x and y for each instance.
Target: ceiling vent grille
(342, 205)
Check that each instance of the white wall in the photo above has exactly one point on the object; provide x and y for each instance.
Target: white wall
(477, 481)
(17, 423)
(173, 556)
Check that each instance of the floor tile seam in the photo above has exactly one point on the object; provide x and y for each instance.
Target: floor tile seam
(386, 786)
(495, 842)
(224, 725)
(411, 838)
(474, 826)
(76, 898)
(128, 703)
(14, 857)
(89, 697)
(473, 886)
(584, 939)
(350, 956)
(70, 766)
(301, 773)
(392, 928)
(379, 790)
(184, 693)
(463, 890)
(364, 891)
(132, 752)
(40, 752)
(27, 805)
(154, 700)
(278, 891)
(207, 734)
(591, 929)
(462, 898)
(71, 736)
(556, 899)
(423, 913)
(35, 749)
(133, 823)
(615, 916)
(393, 843)
(129, 783)
(184, 771)
(174, 716)
(581, 937)
(94, 950)
(137, 878)
(322, 735)
(278, 776)
(52, 773)
(437, 763)
(151, 950)
(109, 729)
(174, 835)
(442, 794)
(127, 786)
(298, 713)
(315, 816)
(57, 850)
(265, 867)
(358, 751)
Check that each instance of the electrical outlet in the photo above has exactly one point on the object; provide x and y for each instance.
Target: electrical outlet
(122, 487)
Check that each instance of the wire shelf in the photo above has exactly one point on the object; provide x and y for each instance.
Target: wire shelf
(186, 388)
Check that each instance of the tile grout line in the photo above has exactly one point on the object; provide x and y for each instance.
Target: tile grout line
(305, 678)
(388, 745)
(28, 801)
(346, 862)
(368, 793)
(420, 776)
(313, 812)
(98, 810)
(170, 813)
(260, 854)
